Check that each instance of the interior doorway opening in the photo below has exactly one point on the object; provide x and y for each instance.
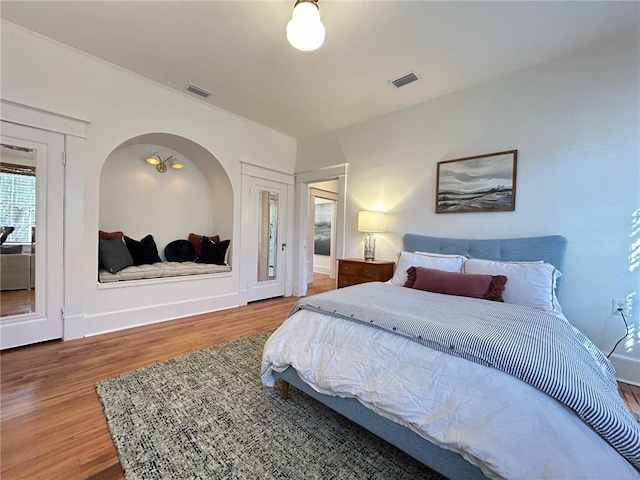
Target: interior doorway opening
(305, 181)
(321, 248)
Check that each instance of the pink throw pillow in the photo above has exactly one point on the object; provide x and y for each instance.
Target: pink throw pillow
(488, 287)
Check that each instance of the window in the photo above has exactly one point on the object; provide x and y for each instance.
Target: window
(18, 201)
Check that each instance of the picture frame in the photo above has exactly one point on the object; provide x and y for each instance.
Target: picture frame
(482, 183)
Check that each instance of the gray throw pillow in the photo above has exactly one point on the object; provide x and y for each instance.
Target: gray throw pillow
(114, 254)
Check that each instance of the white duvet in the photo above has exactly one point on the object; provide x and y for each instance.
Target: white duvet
(504, 426)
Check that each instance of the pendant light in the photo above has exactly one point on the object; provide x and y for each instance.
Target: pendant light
(305, 31)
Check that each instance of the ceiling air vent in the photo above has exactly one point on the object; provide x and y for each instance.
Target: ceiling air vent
(405, 79)
(198, 90)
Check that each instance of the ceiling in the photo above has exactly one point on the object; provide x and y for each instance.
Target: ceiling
(237, 49)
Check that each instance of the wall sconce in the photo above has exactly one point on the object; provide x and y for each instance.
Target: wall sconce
(370, 222)
(161, 165)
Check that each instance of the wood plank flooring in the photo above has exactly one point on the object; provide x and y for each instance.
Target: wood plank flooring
(52, 423)
(631, 395)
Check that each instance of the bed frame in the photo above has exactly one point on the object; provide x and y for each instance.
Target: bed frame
(550, 249)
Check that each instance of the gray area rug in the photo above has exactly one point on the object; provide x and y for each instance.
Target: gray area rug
(207, 416)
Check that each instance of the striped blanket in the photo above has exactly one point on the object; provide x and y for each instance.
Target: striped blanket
(532, 345)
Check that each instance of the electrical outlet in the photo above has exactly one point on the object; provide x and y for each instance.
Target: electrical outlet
(617, 304)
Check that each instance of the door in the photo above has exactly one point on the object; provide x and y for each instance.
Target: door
(31, 217)
(268, 213)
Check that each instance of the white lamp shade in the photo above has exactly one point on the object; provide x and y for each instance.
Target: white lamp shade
(370, 221)
(305, 31)
(176, 164)
(152, 160)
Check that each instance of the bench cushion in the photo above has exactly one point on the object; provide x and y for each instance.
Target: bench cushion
(161, 270)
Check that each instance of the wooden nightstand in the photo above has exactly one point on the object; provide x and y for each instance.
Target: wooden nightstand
(352, 271)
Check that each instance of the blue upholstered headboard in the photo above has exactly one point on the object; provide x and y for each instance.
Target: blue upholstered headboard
(550, 249)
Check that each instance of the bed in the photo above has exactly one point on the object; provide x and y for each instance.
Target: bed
(450, 408)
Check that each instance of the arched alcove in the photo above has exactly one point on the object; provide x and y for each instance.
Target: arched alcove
(137, 199)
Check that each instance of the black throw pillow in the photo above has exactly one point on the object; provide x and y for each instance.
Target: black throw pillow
(143, 252)
(180, 251)
(213, 252)
(114, 255)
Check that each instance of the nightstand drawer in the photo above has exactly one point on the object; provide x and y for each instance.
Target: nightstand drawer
(347, 281)
(358, 269)
(352, 271)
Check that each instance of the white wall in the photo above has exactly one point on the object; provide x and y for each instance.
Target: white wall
(119, 105)
(575, 123)
(138, 200)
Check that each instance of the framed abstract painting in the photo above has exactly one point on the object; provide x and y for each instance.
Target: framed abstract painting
(482, 183)
(322, 227)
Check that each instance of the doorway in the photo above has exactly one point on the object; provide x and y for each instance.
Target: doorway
(31, 218)
(304, 182)
(322, 224)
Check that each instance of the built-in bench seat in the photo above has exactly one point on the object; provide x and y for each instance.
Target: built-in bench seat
(160, 270)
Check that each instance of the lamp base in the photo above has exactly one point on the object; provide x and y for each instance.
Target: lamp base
(369, 247)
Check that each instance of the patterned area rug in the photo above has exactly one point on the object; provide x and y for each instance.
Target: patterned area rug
(206, 415)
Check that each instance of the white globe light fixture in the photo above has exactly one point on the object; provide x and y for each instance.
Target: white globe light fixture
(305, 31)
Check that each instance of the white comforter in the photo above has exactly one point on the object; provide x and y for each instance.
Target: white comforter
(502, 425)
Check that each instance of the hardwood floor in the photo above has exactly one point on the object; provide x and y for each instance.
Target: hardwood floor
(631, 395)
(52, 423)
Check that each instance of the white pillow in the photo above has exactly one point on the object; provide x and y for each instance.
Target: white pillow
(448, 263)
(532, 284)
(442, 255)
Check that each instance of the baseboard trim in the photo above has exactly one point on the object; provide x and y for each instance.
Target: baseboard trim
(242, 297)
(627, 369)
(323, 270)
(73, 327)
(106, 322)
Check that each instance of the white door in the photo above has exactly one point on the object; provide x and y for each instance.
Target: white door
(267, 242)
(32, 269)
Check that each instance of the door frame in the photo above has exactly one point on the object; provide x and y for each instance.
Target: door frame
(315, 192)
(74, 131)
(248, 265)
(303, 179)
